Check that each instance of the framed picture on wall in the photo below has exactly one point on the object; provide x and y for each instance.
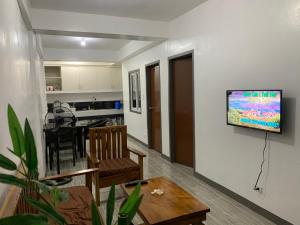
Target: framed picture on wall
(134, 91)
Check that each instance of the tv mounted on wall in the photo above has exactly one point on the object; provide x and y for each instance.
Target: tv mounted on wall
(257, 109)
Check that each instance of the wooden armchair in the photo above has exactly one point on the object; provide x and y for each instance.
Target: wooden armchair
(109, 153)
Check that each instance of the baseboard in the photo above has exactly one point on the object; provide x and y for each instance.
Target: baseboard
(265, 213)
(165, 157)
(137, 140)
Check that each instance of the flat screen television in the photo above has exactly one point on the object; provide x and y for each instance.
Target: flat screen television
(258, 109)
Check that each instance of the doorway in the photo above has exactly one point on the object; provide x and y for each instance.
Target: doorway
(181, 87)
(154, 106)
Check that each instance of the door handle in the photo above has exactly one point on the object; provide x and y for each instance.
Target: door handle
(150, 108)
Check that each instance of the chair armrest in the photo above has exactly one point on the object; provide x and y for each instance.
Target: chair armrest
(141, 156)
(136, 152)
(71, 174)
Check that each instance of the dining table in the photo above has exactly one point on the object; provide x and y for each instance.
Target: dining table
(51, 133)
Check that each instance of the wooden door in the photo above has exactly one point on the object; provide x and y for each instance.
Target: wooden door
(154, 111)
(183, 116)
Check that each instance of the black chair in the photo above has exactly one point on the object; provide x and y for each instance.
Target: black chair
(50, 141)
(60, 140)
(100, 123)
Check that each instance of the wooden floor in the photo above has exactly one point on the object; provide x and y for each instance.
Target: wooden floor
(224, 210)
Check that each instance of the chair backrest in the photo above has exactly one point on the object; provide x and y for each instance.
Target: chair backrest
(65, 134)
(108, 142)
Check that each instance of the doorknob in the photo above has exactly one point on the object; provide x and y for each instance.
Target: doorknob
(150, 108)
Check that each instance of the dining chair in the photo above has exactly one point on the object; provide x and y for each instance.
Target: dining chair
(64, 140)
(100, 123)
(109, 152)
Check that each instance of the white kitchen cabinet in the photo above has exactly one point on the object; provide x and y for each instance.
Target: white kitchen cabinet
(70, 78)
(91, 78)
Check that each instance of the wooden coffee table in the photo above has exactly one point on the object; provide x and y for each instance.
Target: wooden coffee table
(175, 206)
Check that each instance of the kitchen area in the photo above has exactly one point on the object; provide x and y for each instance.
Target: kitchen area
(90, 89)
(80, 95)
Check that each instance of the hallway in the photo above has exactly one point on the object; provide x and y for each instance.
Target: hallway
(224, 210)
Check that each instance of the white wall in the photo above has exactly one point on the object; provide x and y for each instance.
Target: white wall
(21, 78)
(238, 44)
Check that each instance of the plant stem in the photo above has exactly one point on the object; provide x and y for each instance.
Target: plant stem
(23, 166)
(22, 173)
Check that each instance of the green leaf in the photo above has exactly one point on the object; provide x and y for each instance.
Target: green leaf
(26, 219)
(110, 207)
(95, 215)
(133, 209)
(131, 199)
(47, 210)
(54, 196)
(122, 219)
(42, 187)
(16, 132)
(6, 163)
(57, 196)
(63, 196)
(12, 180)
(30, 148)
(20, 157)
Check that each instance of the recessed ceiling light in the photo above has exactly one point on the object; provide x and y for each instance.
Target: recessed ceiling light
(83, 43)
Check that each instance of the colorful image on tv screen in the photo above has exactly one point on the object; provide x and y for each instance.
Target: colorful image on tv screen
(255, 109)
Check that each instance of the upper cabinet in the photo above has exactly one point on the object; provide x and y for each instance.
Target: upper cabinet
(84, 78)
(70, 78)
(53, 78)
(103, 78)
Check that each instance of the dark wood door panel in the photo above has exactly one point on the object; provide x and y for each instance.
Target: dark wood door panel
(155, 108)
(183, 110)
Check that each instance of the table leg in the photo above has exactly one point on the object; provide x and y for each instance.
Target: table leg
(46, 153)
(79, 141)
(51, 157)
(84, 142)
(57, 158)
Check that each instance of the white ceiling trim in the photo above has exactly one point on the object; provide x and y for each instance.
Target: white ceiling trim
(131, 49)
(55, 54)
(71, 42)
(80, 63)
(156, 10)
(88, 25)
(134, 48)
(24, 10)
(97, 35)
(97, 26)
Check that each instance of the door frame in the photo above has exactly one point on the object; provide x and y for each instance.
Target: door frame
(148, 94)
(171, 104)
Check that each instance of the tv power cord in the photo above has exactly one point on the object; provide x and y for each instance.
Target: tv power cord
(256, 188)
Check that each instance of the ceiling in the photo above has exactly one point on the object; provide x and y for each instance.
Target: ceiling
(69, 42)
(161, 10)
